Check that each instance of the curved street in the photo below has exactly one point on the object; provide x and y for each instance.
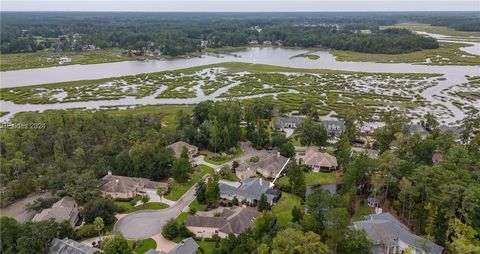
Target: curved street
(143, 224)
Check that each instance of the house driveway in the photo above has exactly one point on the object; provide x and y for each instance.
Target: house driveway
(144, 224)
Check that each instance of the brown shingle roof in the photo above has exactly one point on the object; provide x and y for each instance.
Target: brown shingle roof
(313, 157)
(271, 165)
(177, 148)
(231, 221)
(124, 184)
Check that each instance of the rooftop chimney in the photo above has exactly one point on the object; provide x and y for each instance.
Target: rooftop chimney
(278, 154)
(261, 181)
(109, 173)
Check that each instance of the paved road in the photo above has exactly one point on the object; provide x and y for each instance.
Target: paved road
(17, 209)
(144, 224)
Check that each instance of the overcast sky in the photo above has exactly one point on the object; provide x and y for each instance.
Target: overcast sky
(239, 5)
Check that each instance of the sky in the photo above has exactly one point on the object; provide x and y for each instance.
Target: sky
(239, 5)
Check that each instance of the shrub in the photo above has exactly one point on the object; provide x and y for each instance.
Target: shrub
(86, 231)
(170, 230)
(193, 210)
(254, 159)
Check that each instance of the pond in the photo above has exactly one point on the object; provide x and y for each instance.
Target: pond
(332, 188)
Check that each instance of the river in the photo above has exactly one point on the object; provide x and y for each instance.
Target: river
(260, 55)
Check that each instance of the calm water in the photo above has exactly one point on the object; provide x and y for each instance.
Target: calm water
(273, 56)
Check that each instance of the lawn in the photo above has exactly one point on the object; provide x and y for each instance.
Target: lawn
(313, 178)
(146, 245)
(180, 188)
(361, 210)
(182, 217)
(206, 246)
(283, 209)
(148, 206)
(197, 206)
(219, 160)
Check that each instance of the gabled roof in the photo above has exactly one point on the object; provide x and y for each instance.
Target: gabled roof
(385, 229)
(314, 157)
(234, 220)
(335, 126)
(271, 165)
(282, 121)
(250, 188)
(123, 184)
(178, 146)
(186, 246)
(65, 202)
(62, 210)
(68, 246)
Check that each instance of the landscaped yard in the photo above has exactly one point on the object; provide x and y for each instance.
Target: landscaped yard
(148, 206)
(180, 188)
(313, 178)
(362, 209)
(197, 206)
(219, 160)
(146, 245)
(207, 246)
(283, 209)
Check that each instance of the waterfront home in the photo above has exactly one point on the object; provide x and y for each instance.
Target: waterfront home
(250, 190)
(318, 161)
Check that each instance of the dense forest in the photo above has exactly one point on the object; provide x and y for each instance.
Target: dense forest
(178, 34)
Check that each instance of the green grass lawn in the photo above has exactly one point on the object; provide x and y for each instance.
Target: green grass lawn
(223, 159)
(283, 208)
(180, 188)
(197, 206)
(361, 210)
(313, 178)
(148, 206)
(182, 217)
(207, 246)
(146, 245)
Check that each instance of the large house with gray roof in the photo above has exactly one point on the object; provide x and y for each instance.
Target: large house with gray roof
(231, 221)
(127, 187)
(390, 236)
(250, 190)
(66, 209)
(69, 246)
(186, 246)
(283, 123)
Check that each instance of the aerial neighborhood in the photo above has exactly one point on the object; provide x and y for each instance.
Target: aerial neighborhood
(155, 129)
(231, 184)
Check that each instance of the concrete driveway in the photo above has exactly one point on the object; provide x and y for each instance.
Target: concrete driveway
(144, 224)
